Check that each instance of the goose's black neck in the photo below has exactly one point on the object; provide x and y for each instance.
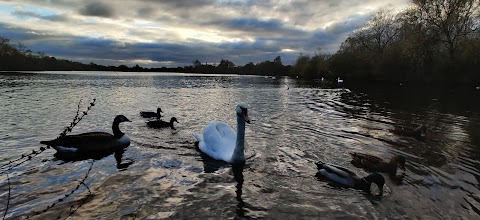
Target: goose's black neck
(116, 130)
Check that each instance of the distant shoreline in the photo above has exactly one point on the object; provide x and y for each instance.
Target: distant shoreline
(349, 83)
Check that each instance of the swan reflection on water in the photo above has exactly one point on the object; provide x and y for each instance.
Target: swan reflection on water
(211, 165)
(238, 175)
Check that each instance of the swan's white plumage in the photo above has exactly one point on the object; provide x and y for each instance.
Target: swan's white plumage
(218, 141)
(221, 142)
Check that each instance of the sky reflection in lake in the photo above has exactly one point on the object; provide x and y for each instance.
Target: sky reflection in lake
(295, 123)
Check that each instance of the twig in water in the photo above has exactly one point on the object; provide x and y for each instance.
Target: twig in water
(82, 182)
(34, 153)
(77, 118)
(8, 198)
(25, 159)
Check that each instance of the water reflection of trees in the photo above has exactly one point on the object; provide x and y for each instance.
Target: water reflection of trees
(446, 113)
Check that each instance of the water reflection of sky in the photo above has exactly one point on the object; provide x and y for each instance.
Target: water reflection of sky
(294, 124)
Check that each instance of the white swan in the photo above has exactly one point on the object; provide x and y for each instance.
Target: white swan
(220, 142)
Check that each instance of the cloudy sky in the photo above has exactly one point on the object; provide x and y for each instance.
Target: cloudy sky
(171, 33)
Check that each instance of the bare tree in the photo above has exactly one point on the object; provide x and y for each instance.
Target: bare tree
(380, 32)
(449, 20)
(21, 47)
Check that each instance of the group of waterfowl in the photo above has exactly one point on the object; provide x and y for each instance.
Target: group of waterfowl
(96, 142)
(158, 123)
(374, 164)
(221, 142)
(370, 163)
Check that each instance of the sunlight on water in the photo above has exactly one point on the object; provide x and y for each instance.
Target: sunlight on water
(294, 124)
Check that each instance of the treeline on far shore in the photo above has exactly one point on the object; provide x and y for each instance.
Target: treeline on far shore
(431, 42)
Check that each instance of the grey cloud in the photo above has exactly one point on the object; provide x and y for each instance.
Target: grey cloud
(182, 3)
(97, 9)
(181, 54)
(57, 18)
(348, 25)
(145, 12)
(251, 24)
(269, 25)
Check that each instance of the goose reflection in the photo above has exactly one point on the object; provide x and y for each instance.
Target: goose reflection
(118, 154)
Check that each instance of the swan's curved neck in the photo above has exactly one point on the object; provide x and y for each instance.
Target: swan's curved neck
(116, 130)
(239, 151)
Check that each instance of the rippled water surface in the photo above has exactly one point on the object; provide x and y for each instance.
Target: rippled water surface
(161, 175)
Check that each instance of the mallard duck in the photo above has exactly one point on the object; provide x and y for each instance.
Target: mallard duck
(152, 114)
(377, 164)
(419, 132)
(220, 142)
(92, 142)
(162, 124)
(346, 178)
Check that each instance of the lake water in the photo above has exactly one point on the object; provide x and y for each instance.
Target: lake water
(295, 123)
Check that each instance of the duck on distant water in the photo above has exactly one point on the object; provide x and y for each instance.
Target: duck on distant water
(220, 142)
(344, 177)
(162, 124)
(152, 114)
(92, 142)
(377, 164)
(339, 80)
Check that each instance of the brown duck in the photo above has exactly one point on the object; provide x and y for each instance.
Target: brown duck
(419, 132)
(377, 164)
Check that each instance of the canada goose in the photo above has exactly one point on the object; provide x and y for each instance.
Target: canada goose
(162, 124)
(346, 178)
(152, 114)
(92, 142)
(220, 142)
(377, 164)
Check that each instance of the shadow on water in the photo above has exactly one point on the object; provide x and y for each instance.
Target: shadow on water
(121, 164)
(238, 175)
(210, 165)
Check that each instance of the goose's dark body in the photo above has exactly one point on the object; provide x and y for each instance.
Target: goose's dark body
(92, 142)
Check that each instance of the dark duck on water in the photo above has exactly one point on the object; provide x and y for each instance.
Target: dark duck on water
(377, 164)
(162, 124)
(92, 142)
(345, 178)
(152, 114)
(420, 132)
